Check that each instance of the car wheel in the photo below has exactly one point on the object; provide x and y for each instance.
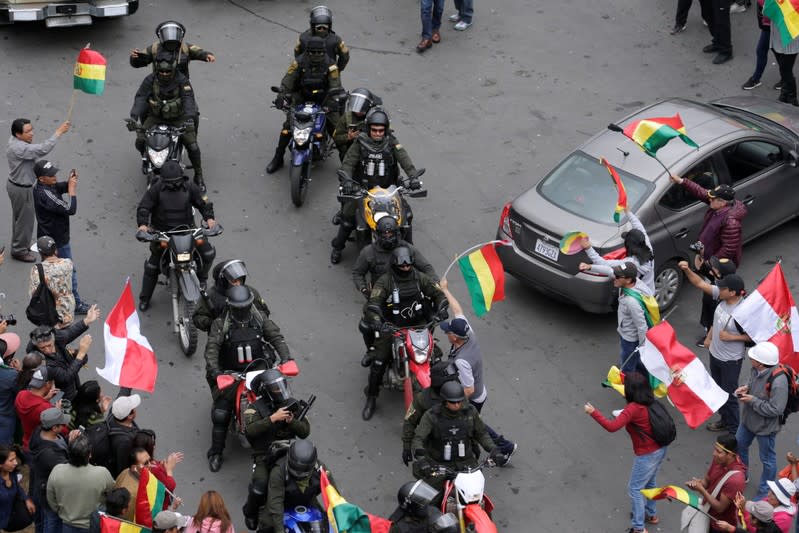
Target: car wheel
(668, 281)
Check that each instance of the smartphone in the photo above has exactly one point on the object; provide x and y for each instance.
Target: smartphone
(58, 395)
(73, 172)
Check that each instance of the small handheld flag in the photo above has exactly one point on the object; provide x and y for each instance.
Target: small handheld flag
(621, 202)
(89, 74)
(570, 243)
(652, 134)
(784, 16)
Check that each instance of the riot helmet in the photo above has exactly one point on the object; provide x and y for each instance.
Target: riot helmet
(360, 101)
(446, 523)
(171, 174)
(170, 34)
(239, 301)
(387, 233)
(442, 372)
(234, 270)
(273, 385)
(316, 50)
(452, 391)
(301, 459)
(377, 117)
(401, 259)
(321, 21)
(415, 496)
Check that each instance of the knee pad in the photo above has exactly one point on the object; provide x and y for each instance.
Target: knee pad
(150, 269)
(220, 416)
(259, 487)
(140, 145)
(193, 147)
(364, 328)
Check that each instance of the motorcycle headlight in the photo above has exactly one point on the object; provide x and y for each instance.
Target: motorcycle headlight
(420, 355)
(301, 135)
(158, 157)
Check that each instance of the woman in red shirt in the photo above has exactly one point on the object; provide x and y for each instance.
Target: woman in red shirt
(648, 454)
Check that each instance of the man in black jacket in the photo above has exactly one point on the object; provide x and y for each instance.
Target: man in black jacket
(63, 366)
(122, 429)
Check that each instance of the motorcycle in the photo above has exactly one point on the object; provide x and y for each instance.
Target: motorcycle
(162, 144)
(464, 496)
(309, 143)
(303, 519)
(179, 264)
(245, 396)
(378, 202)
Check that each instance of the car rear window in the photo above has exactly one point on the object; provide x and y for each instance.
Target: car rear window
(583, 186)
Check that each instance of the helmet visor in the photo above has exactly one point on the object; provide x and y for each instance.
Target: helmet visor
(278, 390)
(358, 103)
(422, 494)
(234, 270)
(299, 470)
(170, 33)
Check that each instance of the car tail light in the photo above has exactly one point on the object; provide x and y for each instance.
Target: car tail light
(621, 253)
(504, 220)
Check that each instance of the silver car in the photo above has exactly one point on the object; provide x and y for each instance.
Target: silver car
(749, 143)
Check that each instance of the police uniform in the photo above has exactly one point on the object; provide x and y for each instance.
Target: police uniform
(447, 437)
(261, 432)
(406, 523)
(187, 52)
(306, 81)
(405, 301)
(340, 135)
(334, 46)
(170, 103)
(286, 492)
(375, 261)
(164, 209)
(213, 303)
(233, 346)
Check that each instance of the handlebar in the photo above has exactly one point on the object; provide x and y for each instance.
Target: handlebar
(450, 473)
(151, 236)
(133, 125)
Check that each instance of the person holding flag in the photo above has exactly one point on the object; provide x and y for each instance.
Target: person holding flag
(637, 312)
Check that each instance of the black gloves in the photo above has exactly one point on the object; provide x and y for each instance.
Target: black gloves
(407, 456)
(495, 454)
(349, 188)
(131, 124)
(414, 184)
(189, 124)
(442, 315)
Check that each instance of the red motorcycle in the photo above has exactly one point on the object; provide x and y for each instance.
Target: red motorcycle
(245, 395)
(412, 352)
(464, 496)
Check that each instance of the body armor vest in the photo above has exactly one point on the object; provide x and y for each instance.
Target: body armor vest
(331, 42)
(180, 57)
(405, 303)
(313, 77)
(451, 437)
(378, 166)
(243, 344)
(174, 209)
(166, 103)
(295, 496)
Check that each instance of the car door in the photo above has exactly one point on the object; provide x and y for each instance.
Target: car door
(681, 213)
(759, 172)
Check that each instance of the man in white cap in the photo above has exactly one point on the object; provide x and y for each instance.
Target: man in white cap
(122, 430)
(169, 522)
(763, 401)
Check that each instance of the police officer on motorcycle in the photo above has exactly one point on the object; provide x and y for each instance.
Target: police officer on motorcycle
(352, 122)
(402, 297)
(415, 512)
(373, 160)
(241, 335)
(313, 77)
(293, 481)
(167, 97)
(271, 418)
(165, 206)
(225, 274)
(170, 35)
(445, 436)
(440, 373)
(374, 260)
(321, 20)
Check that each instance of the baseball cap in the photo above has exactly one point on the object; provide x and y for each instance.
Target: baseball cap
(43, 167)
(456, 326)
(122, 406)
(46, 245)
(12, 343)
(761, 510)
(723, 265)
(765, 353)
(783, 489)
(723, 192)
(168, 519)
(625, 270)
(732, 282)
(53, 417)
(40, 377)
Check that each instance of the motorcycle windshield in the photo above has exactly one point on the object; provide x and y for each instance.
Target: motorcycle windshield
(182, 243)
(158, 140)
(420, 341)
(383, 202)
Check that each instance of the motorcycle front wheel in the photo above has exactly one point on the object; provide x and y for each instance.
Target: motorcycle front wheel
(187, 331)
(299, 175)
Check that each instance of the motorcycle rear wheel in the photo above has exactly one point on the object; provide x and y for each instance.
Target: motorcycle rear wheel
(299, 176)
(187, 331)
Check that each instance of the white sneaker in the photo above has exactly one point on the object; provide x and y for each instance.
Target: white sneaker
(737, 8)
(461, 26)
(455, 17)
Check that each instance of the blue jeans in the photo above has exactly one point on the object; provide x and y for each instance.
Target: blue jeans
(725, 374)
(761, 54)
(628, 363)
(643, 476)
(52, 522)
(504, 445)
(768, 456)
(465, 10)
(66, 528)
(432, 10)
(65, 252)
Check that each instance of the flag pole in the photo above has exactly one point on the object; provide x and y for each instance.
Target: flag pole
(101, 513)
(618, 129)
(71, 105)
(475, 247)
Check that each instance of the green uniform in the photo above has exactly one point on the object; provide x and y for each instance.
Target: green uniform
(187, 52)
(347, 122)
(334, 46)
(422, 402)
(364, 150)
(211, 306)
(286, 492)
(441, 429)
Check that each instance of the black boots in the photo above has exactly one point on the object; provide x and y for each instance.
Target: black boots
(369, 407)
(277, 161)
(215, 462)
(788, 92)
(368, 357)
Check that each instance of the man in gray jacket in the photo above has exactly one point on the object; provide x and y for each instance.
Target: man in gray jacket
(763, 401)
(631, 317)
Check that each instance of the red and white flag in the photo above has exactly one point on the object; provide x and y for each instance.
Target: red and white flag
(691, 389)
(129, 359)
(769, 314)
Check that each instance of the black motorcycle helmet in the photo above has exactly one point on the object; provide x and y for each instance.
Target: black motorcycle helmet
(415, 496)
(452, 391)
(301, 459)
(316, 50)
(442, 372)
(360, 101)
(170, 33)
(377, 117)
(239, 301)
(273, 385)
(321, 15)
(401, 256)
(234, 270)
(165, 69)
(445, 523)
(172, 174)
(387, 233)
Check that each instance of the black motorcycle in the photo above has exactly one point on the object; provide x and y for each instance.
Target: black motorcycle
(162, 144)
(179, 264)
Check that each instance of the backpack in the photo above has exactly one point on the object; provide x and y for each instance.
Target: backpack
(99, 436)
(663, 429)
(792, 405)
(41, 308)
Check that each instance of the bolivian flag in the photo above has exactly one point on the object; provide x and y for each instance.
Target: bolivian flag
(89, 72)
(652, 134)
(784, 15)
(648, 303)
(485, 278)
(673, 492)
(621, 201)
(345, 517)
(109, 524)
(149, 498)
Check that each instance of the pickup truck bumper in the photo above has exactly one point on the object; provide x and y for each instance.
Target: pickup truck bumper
(65, 13)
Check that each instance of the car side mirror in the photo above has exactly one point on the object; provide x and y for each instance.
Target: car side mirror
(793, 157)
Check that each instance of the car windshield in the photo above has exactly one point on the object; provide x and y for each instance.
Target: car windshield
(756, 122)
(583, 186)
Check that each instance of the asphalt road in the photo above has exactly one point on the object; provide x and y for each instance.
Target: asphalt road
(487, 112)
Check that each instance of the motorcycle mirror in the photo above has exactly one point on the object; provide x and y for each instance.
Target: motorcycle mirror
(289, 368)
(224, 381)
(275, 89)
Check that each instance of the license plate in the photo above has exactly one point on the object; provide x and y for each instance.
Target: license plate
(547, 250)
(184, 257)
